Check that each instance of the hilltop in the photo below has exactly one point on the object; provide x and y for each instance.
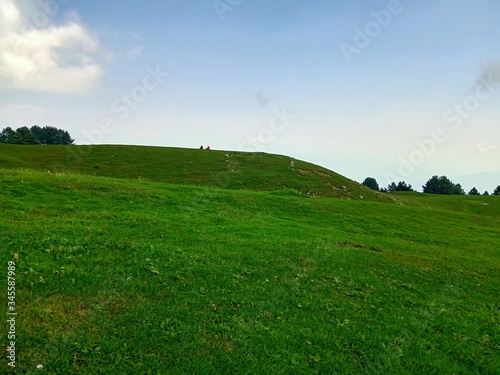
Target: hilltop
(222, 169)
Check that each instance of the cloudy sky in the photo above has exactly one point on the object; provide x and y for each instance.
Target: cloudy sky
(396, 90)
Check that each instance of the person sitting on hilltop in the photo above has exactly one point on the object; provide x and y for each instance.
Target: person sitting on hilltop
(208, 148)
(201, 147)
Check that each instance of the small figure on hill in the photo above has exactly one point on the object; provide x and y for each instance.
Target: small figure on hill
(201, 147)
(208, 148)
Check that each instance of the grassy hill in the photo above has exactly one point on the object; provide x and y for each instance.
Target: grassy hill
(133, 276)
(223, 169)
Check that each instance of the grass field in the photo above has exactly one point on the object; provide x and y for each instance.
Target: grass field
(139, 276)
(221, 169)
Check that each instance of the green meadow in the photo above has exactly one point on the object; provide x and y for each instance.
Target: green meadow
(142, 260)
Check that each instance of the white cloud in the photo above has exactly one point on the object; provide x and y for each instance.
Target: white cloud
(53, 58)
(483, 147)
(21, 115)
(23, 107)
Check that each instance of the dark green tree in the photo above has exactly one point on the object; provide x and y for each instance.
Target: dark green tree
(63, 138)
(474, 191)
(401, 186)
(38, 132)
(7, 135)
(497, 190)
(486, 193)
(442, 185)
(371, 183)
(24, 136)
(49, 135)
(390, 188)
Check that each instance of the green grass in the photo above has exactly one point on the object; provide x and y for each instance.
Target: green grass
(222, 169)
(127, 276)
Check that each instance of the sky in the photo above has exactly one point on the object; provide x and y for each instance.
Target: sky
(395, 89)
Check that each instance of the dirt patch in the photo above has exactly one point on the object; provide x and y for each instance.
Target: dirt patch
(339, 188)
(319, 173)
(332, 186)
(305, 171)
(322, 174)
(345, 245)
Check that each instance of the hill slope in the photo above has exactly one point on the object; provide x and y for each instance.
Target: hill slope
(223, 169)
(118, 276)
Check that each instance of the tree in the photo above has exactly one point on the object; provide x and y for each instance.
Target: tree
(442, 185)
(401, 186)
(497, 190)
(474, 191)
(391, 187)
(371, 183)
(64, 138)
(47, 135)
(38, 132)
(7, 135)
(486, 193)
(25, 136)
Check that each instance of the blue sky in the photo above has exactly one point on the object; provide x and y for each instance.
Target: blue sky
(396, 90)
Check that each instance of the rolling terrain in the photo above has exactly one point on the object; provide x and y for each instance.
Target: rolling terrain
(222, 169)
(155, 266)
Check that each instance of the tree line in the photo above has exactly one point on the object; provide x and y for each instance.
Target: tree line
(36, 135)
(435, 185)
